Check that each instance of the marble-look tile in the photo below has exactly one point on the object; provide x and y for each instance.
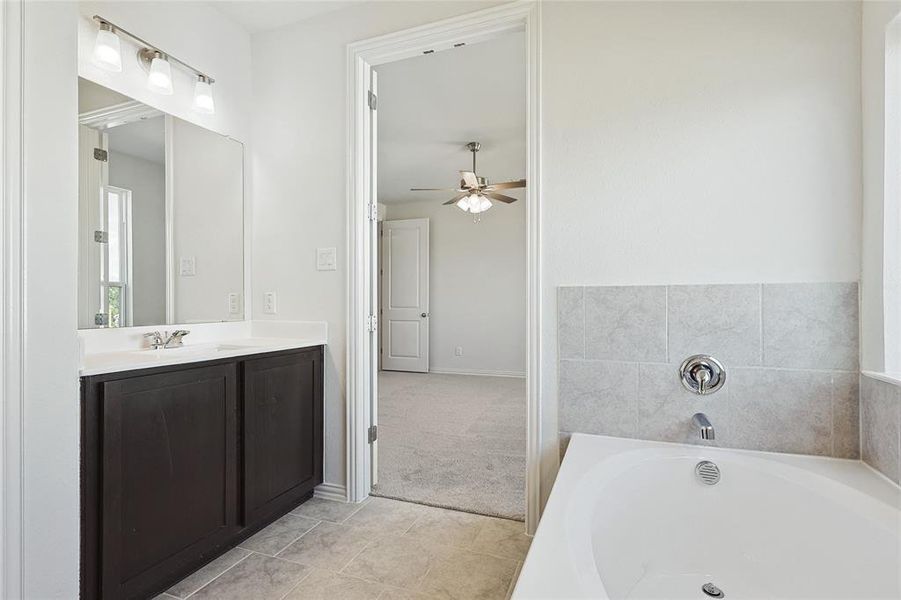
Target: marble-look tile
(720, 320)
(665, 407)
(382, 516)
(880, 426)
(207, 573)
(449, 527)
(326, 585)
(328, 545)
(395, 593)
(625, 323)
(598, 397)
(257, 577)
(504, 538)
(273, 539)
(778, 411)
(845, 415)
(398, 561)
(514, 580)
(326, 510)
(469, 576)
(810, 325)
(571, 322)
(165, 596)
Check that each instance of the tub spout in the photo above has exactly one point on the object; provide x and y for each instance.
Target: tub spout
(705, 427)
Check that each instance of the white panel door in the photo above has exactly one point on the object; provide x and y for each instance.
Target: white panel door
(405, 295)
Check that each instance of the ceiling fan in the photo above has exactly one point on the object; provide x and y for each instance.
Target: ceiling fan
(474, 191)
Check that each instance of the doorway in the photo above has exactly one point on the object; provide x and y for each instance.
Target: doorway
(363, 357)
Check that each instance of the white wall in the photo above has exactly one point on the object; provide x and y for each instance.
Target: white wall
(477, 286)
(50, 411)
(147, 182)
(299, 188)
(682, 143)
(876, 18)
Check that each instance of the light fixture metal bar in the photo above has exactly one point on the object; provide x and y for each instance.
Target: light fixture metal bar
(116, 29)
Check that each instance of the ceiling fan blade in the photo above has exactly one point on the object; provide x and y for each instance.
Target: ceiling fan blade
(456, 199)
(506, 185)
(433, 189)
(470, 178)
(500, 197)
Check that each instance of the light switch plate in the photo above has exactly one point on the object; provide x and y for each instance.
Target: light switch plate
(326, 259)
(269, 303)
(234, 303)
(187, 266)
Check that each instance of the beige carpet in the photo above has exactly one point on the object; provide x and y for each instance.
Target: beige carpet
(455, 441)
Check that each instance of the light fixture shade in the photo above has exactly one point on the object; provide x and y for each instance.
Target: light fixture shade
(463, 204)
(160, 78)
(203, 96)
(107, 53)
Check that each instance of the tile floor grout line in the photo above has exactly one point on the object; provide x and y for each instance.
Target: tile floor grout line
(299, 581)
(220, 574)
(276, 555)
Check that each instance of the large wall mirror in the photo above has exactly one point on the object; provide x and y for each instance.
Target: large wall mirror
(160, 219)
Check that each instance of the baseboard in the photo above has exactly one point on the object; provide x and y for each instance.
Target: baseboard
(519, 374)
(331, 491)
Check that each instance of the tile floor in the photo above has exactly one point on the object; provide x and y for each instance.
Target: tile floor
(380, 549)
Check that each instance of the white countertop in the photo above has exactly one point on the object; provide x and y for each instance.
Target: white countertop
(129, 360)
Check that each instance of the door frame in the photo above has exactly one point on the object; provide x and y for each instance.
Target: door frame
(361, 57)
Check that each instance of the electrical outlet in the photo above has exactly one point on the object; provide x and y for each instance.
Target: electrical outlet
(458, 351)
(326, 259)
(234, 303)
(187, 266)
(269, 303)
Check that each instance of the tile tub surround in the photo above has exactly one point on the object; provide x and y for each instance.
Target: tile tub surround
(880, 426)
(790, 352)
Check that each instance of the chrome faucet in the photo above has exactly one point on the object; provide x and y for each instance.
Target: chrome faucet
(705, 427)
(172, 341)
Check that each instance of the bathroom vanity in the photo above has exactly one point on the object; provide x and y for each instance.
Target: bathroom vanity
(183, 460)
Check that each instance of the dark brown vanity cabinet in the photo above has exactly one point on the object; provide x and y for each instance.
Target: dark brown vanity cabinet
(180, 463)
(282, 421)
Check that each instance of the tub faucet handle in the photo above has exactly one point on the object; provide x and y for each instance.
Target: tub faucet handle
(702, 376)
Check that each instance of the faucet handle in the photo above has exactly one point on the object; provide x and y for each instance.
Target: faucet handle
(702, 374)
(156, 340)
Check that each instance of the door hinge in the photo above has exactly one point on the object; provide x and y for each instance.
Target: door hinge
(372, 100)
(372, 213)
(101, 155)
(372, 323)
(101, 237)
(373, 433)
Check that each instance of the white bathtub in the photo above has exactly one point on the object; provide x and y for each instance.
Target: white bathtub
(630, 519)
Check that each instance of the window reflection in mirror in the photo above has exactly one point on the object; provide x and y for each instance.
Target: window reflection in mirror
(161, 217)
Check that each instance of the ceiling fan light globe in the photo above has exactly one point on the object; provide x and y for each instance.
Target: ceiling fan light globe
(463, 204)
(484, 203)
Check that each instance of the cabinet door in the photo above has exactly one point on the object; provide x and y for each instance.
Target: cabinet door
(282, 432)
(169, 471)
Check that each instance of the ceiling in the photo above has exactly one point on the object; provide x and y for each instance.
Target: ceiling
(430, 106)
(263, 15)
(144, 139)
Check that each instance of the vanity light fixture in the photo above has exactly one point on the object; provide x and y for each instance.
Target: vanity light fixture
(160, 78)
(203, 96)
(158, 64)
(107, 53)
